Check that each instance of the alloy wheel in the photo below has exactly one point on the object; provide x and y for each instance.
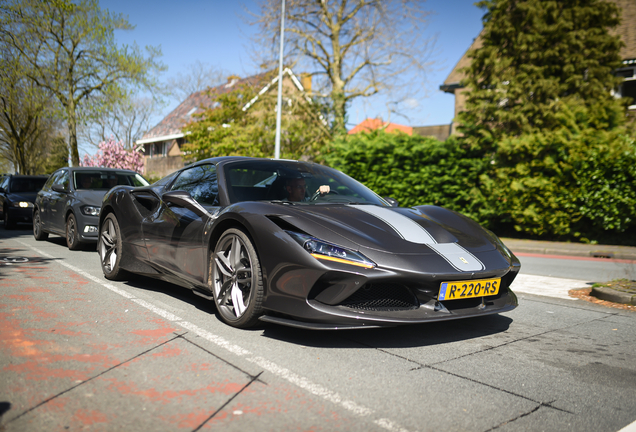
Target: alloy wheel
(108, 245)
(233, 280)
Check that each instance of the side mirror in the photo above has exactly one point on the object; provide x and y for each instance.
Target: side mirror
(1, 189)
(59, 188)
(185, 200)
(392, 201)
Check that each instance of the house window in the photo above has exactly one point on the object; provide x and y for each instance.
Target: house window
(628, 86)
(158, 149)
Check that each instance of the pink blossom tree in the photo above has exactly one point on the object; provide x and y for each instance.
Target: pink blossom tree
(112, 154)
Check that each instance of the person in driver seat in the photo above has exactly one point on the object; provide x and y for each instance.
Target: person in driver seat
(296, 188)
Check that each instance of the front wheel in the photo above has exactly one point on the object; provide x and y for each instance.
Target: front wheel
(109, 249)
(38, 233)
(72, 235)
(8, 222)
(235, 276)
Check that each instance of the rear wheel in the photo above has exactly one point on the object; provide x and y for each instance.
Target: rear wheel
(72, 235)
(37, 227)
(236, 279)
(109, 249)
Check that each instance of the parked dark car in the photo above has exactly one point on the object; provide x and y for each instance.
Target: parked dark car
(303, 245)
(17, 195)
(70, 201)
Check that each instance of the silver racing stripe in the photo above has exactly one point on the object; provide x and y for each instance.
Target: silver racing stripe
(405, 227)
(458, 257)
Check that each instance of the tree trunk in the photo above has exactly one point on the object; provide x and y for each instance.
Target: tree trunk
(72, 134)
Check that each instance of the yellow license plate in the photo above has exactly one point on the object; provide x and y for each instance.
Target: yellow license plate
(468, 289)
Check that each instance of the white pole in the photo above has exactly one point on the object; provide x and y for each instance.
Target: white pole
(279, 106)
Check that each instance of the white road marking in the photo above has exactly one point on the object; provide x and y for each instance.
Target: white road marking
(629, 428)
(165, 314)
(217, 340)
(546, 286)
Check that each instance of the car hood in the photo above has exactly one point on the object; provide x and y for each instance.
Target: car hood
(416, 230)
(23, 196)
(90, 197)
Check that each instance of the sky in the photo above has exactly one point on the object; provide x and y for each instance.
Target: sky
(215, 32)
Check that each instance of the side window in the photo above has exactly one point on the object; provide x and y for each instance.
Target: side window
(64, 180)
(201, 183)
(52, 180)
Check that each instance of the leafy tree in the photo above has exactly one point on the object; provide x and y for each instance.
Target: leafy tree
(537, 58)
(113, 154)
(58, 155)
(27, 119)
(236, 127)
(541, 111)
(355, 49)
(69, 49)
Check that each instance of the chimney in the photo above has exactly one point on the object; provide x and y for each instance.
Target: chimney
(305, 81)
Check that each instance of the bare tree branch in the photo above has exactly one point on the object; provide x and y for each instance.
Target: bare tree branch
(361, 48)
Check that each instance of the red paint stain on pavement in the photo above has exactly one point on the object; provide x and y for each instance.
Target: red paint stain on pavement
(24, 298)
(170, 396)
(90, 417)
(168, 351)
(36, 289)
(34, 370)
(193, 419)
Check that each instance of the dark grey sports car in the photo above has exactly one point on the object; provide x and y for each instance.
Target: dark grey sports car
(303, 245)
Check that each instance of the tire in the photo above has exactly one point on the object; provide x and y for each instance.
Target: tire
(72, 235)
(236, 280)
(110, 249)
(37, 227)
(8, 222)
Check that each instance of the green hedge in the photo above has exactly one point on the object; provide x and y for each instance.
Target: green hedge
(413, 169)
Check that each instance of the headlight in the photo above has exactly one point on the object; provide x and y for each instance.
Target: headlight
(23, 204)
(330, 252)
(91, 211)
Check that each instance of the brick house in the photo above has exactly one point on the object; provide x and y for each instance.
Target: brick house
(162, 144)
(627, 31)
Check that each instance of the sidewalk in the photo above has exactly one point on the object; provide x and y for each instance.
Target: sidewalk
(570, 249)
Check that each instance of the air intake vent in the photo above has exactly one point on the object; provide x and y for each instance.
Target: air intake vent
(382, 297)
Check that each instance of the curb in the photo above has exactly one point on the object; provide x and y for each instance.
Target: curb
(610, 294)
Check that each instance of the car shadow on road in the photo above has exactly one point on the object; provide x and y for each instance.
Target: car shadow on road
(405, 336)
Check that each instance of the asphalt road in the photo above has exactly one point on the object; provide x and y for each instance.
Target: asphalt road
(587, 269)
(78, 352)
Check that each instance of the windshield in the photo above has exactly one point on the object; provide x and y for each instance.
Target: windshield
(26, 184)
(305, 183)
(105, 180)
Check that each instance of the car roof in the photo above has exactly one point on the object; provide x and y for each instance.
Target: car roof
(99, 169)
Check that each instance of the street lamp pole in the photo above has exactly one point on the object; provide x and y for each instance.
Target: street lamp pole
(279, 107)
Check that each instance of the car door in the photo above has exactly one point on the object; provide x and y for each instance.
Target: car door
(57, 203)
(175, 234)
(43, 200)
